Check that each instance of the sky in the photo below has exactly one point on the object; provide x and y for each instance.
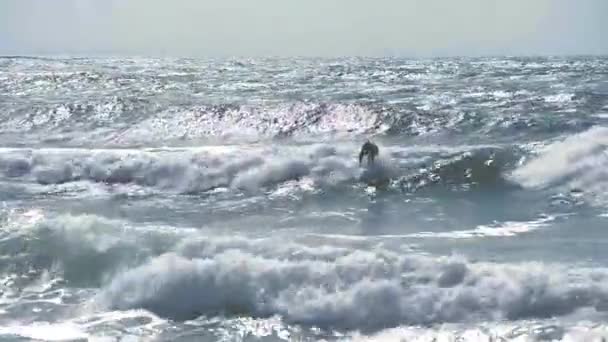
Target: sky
(216, 28)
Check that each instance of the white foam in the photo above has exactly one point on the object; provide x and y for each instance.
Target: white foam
(194, 170)
(504, 229)
(80, 248)
(578, 162)
(515, 331)
(601, 115)
(46, 331)
(559, 98)
(347, 288)
(357, 286)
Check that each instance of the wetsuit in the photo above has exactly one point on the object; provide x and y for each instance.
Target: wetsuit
(370, 150)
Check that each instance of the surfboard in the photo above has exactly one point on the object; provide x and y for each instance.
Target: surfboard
(376, 176)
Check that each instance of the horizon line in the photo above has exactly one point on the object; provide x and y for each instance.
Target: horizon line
(295, 56)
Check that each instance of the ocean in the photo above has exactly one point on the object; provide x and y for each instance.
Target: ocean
(223, 200)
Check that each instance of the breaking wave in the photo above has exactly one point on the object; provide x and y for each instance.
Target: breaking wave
(352, 287)
(574, 164)
(345, 289)
(84, 248)
(251, 168)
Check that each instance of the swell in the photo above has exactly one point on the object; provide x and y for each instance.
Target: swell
(139, 120)
(482, 167)
(139, 101)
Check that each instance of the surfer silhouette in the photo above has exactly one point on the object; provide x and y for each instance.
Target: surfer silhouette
(370, 150)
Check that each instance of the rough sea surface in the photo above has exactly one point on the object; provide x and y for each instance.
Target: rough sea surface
(222, 200)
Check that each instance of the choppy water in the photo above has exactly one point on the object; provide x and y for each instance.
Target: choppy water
(207, 200)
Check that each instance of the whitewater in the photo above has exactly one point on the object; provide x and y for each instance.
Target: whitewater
(222, 199)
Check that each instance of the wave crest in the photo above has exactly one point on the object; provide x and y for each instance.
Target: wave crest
(359, 290)
(577, 163)
(252, 168)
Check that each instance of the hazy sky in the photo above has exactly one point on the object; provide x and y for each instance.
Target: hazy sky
(303, 27)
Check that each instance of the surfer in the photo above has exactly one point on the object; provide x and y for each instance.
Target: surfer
(370, 150)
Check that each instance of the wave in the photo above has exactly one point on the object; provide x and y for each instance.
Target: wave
(481, 167)
(135, 119)
(185, 172)
(575, 164)
(114, 111)
(282, 120)
(147, 100)
(132, 120)
(347, 289)
(358, 286)
(252, 168)
(84, 248)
